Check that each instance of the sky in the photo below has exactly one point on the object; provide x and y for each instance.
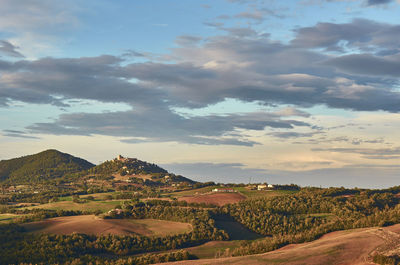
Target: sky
(304, 92)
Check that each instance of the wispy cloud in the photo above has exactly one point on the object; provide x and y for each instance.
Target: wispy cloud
(9, 49)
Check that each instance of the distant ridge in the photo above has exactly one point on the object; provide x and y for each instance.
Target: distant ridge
(53, 164)
(42, 166)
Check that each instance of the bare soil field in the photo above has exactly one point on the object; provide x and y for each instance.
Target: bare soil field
(90, 224)
(214, 198)
(353, 247)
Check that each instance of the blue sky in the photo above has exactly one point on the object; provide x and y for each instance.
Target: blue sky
(301, 92)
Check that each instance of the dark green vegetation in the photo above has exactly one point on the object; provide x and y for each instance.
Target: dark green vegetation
(51, 175)
(389, 260)
(235, 230)
(18, 246)
(311, 213)
(135, 168)
(63, 185)
(293, 218)
(40, 167)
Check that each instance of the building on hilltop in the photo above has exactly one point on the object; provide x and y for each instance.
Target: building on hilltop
(120, 158)
(262, 187)
(223, 190)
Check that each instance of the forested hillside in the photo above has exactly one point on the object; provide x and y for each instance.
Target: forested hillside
(45, 165)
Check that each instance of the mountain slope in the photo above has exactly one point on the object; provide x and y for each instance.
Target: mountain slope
(45, 165)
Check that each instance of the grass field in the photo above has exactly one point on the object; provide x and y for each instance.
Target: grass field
(161, 227)
(103, 206)
(191, 192)
(7, 217)
(213, 249)
(253, 194)
(90, 224)
(250, 194)
(96, 196)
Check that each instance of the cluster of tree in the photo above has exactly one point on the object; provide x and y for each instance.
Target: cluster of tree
(133, 166)
(180, 203)
(201, 219)
(17, 246)
(287, 187)
(36, 214)
(42, 197)
(136, 260)
(51, 194)
(309, 214)
(389, 260)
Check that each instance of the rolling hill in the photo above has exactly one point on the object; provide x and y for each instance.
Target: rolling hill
(45, 165)
(53, 164)
(356, 246)
(133, 167)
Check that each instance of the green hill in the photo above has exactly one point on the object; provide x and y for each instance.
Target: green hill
(129, 166)
(133, 165)
(39, 167)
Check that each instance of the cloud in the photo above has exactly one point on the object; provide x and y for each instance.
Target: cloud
(39, 26)
(362, 34)
(187, 40)
(367, 64)
(258, 15)
(341, 139)
(362, 176)
(368, 153)
(363, 151)
(383, 157)
(36, 15)
(219, 172)
(378, 2)
(132, 53)
(290, 111)
(18, 134)
(286, 135)
(162, 125)
(204, 72)
(9, 50)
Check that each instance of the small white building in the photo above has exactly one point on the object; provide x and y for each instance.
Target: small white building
(223, 190)
(262, 187)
